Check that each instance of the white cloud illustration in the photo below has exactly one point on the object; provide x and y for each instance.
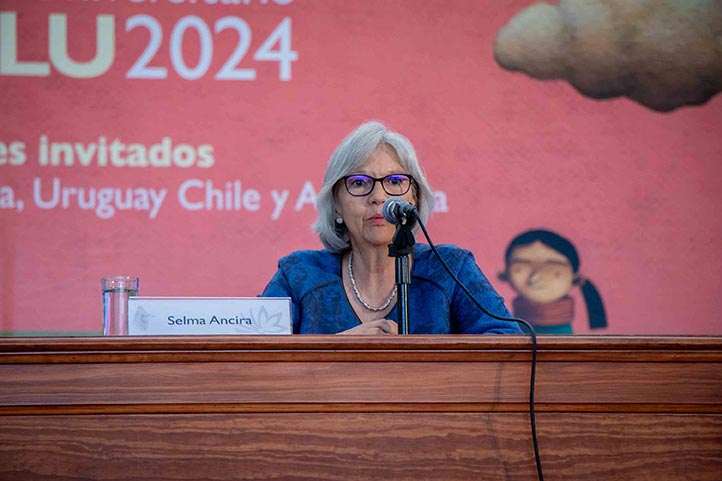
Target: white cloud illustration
(663, 54)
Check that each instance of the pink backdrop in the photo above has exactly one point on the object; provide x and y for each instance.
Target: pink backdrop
(637, 191)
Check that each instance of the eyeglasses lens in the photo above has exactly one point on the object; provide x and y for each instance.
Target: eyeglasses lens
(396, 184)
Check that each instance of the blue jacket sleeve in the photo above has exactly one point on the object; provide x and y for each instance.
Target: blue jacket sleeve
(471, 319)
(279, 286)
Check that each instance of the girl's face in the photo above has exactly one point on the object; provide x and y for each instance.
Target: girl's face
(539, 273)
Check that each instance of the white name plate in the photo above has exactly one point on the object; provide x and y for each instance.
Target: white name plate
(208, 316)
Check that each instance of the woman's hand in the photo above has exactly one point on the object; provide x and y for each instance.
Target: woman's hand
(379, 327)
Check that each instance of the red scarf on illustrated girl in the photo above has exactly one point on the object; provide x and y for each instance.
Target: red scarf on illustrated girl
(552, 313)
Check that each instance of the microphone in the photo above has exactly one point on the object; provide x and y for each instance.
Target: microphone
(397, 211)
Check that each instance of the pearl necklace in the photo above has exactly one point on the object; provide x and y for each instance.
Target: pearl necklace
(358, 294)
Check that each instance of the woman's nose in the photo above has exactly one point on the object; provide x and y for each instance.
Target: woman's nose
(378, 195)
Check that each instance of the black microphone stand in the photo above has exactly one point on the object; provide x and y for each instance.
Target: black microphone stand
(400, 248)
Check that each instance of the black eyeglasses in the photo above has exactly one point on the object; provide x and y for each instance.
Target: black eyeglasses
(359, 185)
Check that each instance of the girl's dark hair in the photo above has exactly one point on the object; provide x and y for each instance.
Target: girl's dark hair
(595, 305)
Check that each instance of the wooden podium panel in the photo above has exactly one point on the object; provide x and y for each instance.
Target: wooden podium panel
(350, 408)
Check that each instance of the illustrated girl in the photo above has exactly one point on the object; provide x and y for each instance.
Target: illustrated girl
(542, 267)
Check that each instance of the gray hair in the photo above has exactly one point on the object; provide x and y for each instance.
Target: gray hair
(348, 157)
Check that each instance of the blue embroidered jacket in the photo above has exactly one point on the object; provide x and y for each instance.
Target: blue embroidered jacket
(312, 279)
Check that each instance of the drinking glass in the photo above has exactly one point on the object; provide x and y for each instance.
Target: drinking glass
(116, 291)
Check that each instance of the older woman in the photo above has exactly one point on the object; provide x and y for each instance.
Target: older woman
(349, 288)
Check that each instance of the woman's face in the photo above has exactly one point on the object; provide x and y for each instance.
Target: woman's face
(540, 273)
(366, 225)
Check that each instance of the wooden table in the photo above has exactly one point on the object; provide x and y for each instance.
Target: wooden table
(350, 408)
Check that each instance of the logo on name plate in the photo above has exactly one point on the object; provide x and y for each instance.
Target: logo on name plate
(264, 323)
(142, 319)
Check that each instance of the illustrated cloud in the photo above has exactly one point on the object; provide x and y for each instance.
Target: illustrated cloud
(663, 54)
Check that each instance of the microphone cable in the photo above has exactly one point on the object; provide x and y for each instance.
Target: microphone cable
(532, 334)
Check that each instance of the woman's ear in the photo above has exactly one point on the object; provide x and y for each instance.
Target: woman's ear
(503, 276)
